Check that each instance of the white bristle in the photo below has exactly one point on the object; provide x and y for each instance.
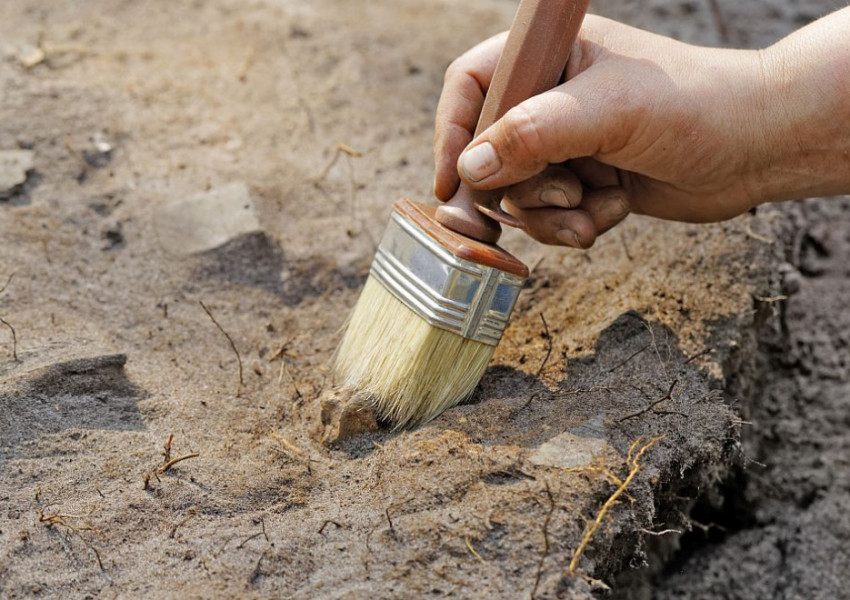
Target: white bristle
(413, 371)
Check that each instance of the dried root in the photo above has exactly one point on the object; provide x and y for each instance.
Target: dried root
(636, 452)
(167, 464)
(58, 519)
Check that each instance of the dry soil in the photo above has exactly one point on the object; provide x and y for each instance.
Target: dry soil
(188, 181)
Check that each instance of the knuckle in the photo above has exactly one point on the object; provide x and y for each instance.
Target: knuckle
(523, 131)
(456, 68)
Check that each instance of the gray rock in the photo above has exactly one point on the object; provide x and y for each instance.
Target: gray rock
(569, 451)
(14, 166)
(206, 220)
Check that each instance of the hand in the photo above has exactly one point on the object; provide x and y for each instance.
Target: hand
(647, 124)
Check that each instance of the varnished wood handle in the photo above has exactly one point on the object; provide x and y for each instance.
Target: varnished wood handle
(532, 62)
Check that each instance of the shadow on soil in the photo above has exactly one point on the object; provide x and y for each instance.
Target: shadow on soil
(256, 260)
(86, 393)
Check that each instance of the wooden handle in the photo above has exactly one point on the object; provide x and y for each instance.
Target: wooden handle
(532, 62)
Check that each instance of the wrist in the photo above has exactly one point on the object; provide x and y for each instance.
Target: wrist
(805, 116)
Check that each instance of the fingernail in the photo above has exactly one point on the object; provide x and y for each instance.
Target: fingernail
(555, 197)
(480, 161)
(618, 206)
(570, 238)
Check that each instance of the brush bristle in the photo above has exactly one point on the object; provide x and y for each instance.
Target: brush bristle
(413, 371)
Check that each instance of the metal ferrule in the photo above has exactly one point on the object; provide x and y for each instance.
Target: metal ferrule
(472, 300)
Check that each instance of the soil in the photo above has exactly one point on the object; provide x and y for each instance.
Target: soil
(786, 526)
(207, 183)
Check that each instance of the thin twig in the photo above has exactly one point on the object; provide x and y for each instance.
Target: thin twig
(248, 539)
(390, 521)
(546, 547)
(528, 402)
(58, 519)
(174, 461)
(655, 347)
(296, 78)
(8, 281)
(537, 263)
(167, 464)
(284, 368)
(329, 522)
(667, 396)
(659, 533)
(173, 532)
(257, 572)
(263, 525)
(595, 388)
(719, 21)
(698, 355)
(346, 149)
(548, 348)
(748, 229)
(14, 338)
(631, 356)
(166, 455)
(229, 339)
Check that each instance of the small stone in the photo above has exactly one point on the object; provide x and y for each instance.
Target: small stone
(99, 154)
(569, 451)
(14, 166)
(29, 56)
(206, 220)
(356, 419)
(792, 279)
(342, 417)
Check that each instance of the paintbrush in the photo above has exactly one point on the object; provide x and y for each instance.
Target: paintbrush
(440, 291)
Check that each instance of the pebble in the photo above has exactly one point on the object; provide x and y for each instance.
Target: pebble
(14, 166)
(29, 56)
(572, 450)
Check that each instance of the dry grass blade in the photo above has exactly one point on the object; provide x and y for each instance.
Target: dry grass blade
(472, 550)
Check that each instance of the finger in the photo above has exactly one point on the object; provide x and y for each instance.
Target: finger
(607, 207)
(593, 173)
(466, 82)
(571, 121)
(556, 226)
(556, 186)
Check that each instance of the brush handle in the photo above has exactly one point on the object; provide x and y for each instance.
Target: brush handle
(532, 62)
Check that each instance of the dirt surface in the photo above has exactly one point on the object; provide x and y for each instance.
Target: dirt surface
(209, 179)
(784, 531)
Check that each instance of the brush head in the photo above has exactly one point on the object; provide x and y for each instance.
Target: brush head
(412, 370)
(429, 318)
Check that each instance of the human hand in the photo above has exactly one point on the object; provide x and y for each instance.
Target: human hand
(643, 123)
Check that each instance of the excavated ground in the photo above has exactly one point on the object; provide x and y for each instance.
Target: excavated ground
(191, 198)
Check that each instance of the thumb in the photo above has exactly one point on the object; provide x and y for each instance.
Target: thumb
(552, 127)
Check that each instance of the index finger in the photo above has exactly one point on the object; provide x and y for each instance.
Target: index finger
(466, 82)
